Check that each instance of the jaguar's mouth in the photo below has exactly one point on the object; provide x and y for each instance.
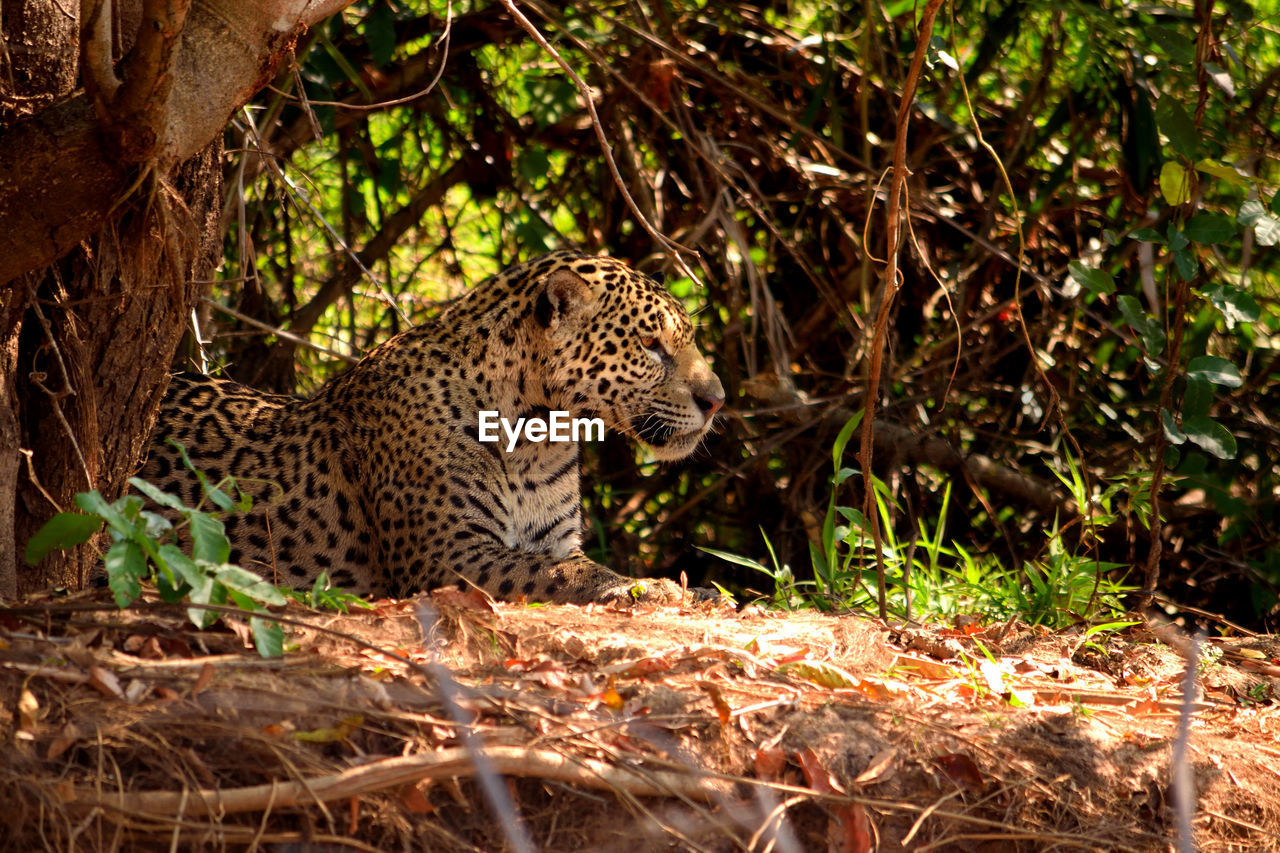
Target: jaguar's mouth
(667, 440)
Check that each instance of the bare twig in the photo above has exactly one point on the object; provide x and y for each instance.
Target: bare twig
(889, 288)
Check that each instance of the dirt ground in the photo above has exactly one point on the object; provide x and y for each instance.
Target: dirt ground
(453, 724)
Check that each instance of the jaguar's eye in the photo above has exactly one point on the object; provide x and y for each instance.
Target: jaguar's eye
(655, 347)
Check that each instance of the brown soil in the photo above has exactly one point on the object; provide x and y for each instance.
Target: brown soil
(596, 729)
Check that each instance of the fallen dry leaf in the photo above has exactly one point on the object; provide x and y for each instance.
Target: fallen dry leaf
(106, 682)
(960, 769)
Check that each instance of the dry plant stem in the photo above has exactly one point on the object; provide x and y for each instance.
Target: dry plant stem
(1156, 550)
(392, 772)
(279, 333)
(890, 288)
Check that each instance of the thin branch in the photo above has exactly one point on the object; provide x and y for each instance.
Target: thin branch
(890, 287)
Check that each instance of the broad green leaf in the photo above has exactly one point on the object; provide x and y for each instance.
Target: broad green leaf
(1215, 369)
(1144, 324)
(156, 494)
(64, 530)
(1267, 230)
(1175, 239)
(1197, 399)
(156, 526)
(1175, 183)
(1097, 282)
(1146, 235)
(208, 538)
(1172, 433)
(183, 567)
(268, 637)
(246, 582)
(1210, 435)
(1250, 212)
(1171, 457)
(1178, 126)
(1210, 228)
(1179, 48)
(95, 504)
(1186, 264)
(203, 592)
(126, 567)
(1221, 170)
(1236, 305)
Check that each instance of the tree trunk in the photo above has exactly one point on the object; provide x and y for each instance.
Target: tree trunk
(110, 191)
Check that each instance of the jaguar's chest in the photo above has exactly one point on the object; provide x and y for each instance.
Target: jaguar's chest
(543, 499)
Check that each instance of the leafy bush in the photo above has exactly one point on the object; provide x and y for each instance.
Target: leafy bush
(144, 548)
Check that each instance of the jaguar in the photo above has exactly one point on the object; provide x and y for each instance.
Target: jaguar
(380, 480)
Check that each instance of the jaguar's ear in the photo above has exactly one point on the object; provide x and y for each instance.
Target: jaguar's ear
(565, 296)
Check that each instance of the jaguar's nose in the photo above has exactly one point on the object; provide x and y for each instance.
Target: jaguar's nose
(708, 405)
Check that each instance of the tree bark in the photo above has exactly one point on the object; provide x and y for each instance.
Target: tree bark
(109, 202)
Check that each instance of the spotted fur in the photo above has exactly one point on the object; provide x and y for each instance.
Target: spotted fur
(380, 480)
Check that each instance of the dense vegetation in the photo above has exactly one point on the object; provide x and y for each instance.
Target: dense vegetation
(1084, 337)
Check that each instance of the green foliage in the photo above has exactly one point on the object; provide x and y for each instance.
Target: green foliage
(324, 596)
(1137, 139)
(144, 549)
(929, 578)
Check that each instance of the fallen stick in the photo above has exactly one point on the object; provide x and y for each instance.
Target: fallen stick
(393, 772)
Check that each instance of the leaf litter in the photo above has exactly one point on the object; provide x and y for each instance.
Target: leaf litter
(690, 728)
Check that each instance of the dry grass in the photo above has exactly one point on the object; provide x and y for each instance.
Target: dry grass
(602, 729)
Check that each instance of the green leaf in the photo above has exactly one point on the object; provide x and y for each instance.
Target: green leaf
(380, 29)
(246, 582)
(842, 439)
(1250, 212)
(95, 504)
(220, 498)
(1097, 282)
(1236, 305)
(126, 567)
(1146, 235)
(268, 637)
(204, 592)
(64, 530)
(730, 557)
(1172, 433)
(1175, 183)
(1186, 264)
(1210, 228)
(1215, 369)
(155, 526)
(1210, 435)
(1176, 239)
(1144, 324)
(1226, 172)
(183, 567)
(1266, 228)
(1171, 457)
(1197, 399)
(208, 538)
(1176, 124)
(1179, 48)
(156, 494)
